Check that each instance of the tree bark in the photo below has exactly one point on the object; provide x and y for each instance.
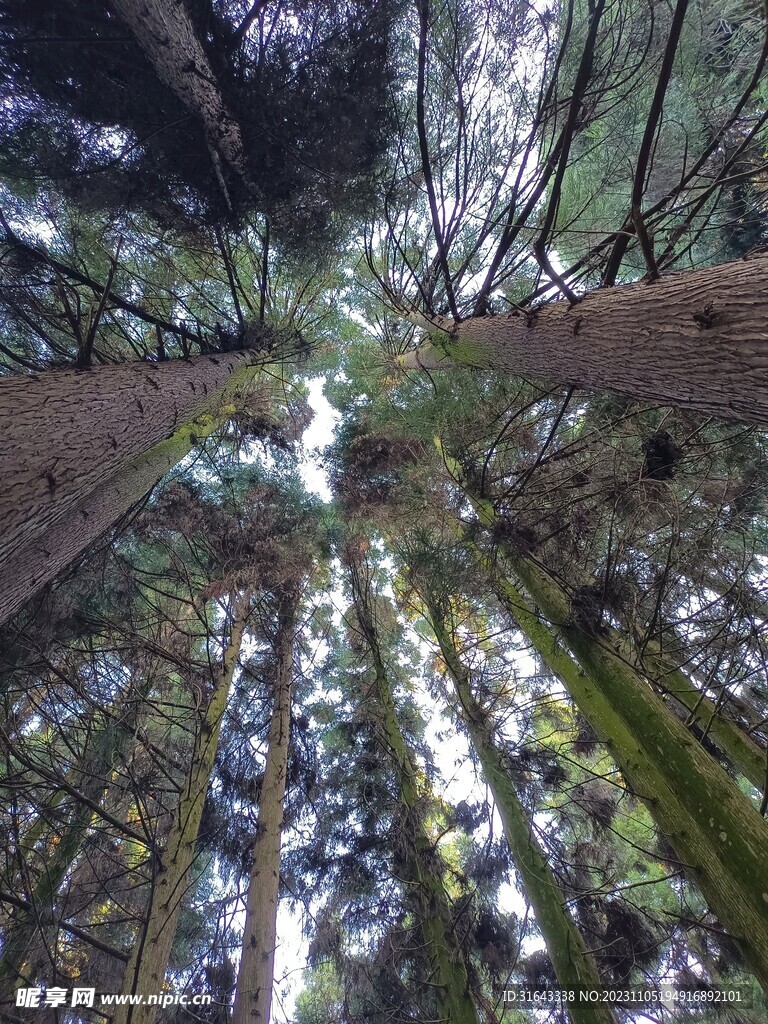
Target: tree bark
(747, 756)
(727, 855)
(145, 972)
(696, 339)
(255, 978)
(574, 966)
(82, 446)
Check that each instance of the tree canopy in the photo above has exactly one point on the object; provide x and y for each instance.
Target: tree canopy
(486, 717)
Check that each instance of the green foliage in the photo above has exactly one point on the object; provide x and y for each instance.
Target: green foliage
(652, 521)
(92, 115)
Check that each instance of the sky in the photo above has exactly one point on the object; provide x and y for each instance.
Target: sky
(318, 434)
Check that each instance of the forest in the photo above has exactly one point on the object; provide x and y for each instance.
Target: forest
(384, 511)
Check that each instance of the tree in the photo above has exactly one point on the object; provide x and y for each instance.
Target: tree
(691, 339)
(519, 471)
(255, 977)
(692, 779)
(145, 972)
(573, 965)
(192, 113)
(420, 863)
(88, 445)
(82, 788)
(570, 193)
(249, 557)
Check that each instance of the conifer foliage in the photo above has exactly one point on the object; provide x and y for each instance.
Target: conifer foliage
(489, 715)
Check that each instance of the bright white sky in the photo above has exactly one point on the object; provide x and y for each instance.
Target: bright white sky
(316, 437)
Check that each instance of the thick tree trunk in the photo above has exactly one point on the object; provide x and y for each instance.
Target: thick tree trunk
(253, 995)
(166, 35)
(696, 832)
(426, 884)
(574, 966)
(727, 855)
(145, 972)
(82, 446)
(696, 339)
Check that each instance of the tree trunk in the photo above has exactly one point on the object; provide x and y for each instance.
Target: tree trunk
(82, 446)
(167, 36)
(253, 994)
(145, 972)
(40, 915)
(695, 339)
(733, 892)
(574, 966)
(90, 776)
(716, 833)
(88, 779)
(426, 885)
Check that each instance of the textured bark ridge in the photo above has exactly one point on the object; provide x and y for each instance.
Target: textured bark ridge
(82, 446)
(697, 339)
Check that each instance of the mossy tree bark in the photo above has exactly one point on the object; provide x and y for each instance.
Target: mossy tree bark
(145, 972)
(574, 966)
(648, 777)
(83, 446)
(694, 339)
(253, 993)
(747, 756)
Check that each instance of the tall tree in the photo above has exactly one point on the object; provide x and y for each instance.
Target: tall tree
(222, 113)
(255, 977)
(420, 862)
(145, 971)
(87, 445)
(718, 817)
(573, 965)
(692, 339)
